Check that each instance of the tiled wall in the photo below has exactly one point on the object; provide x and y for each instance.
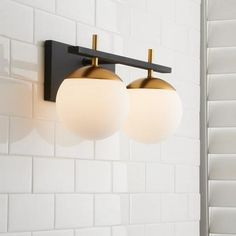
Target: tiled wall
(52, 183)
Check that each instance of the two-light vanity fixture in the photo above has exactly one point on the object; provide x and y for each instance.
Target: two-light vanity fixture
(93, 101)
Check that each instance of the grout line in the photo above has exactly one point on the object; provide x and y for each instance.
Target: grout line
(54, 222)
(75, 171)
(32, 176)
(8, 212)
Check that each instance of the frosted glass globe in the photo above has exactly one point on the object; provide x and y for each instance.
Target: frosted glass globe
(92, 108)
(154, 114)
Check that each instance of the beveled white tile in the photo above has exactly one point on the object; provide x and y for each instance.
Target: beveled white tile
(74, 210)
(53, 175)
(144, 152)
(48, 5)
(111, 209)
(186, 229)
(160, 229)
(93, 176)
(15, 174)
(194, 206)
(130, 230)
(159, 178)
(31, 212)
(31, 137)
(93, 232)
(187, 179)
(54, 233)
(77, 10)
(3, 213)
(128, 177)
(4, 56)
(16, 20)
(145, 208)
(4, 134)
(174, 207)
(181, 151)
(69, 144)
(24, 61)
(42, 109)
(48, 26)
(21, 103)
(108, 149)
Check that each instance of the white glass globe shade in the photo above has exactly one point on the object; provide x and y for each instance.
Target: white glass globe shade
(154, 114)
(92, 108)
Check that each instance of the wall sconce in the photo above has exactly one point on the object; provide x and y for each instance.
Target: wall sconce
(93, 101)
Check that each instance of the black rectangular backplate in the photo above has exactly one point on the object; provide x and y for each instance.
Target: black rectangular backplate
(59, 63)
(62, 59)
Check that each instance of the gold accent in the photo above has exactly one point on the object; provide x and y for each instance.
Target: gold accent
(150, 82)
(94, 47)
(94, 72)
(150, 53)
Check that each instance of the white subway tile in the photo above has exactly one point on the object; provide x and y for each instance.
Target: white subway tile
(165, 9)
(174, 36)
(48, 5)
(144, 152)
(221, 60)
(54, 233)
(108, 21)
(53, 175)
(29, 212)
(21, 103)
(187, 179)
(128, 177)
(16, 20)
(188, 13)
(78, 10)
(111, 209)
(145, 208)
(160, 229)
(221, 33)
(194, 207)
(194, 43)
(186, 229)
(221, 10)
(69, 144)
(108, 149)
(181, 151)
(16, 234)
(160, 178)
(189, 125)
(142, 25)
(31, 137)
(48, 26)
(4, 134)
(24, 61)
(174, 207)
(4, 56)
(186, 68)
(84, 37)
(3, 213)
(15, 174)
(93, 232)
(130, 230)
(93, 176)
(42, 109)
(74, 210)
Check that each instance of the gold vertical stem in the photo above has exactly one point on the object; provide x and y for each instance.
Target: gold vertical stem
(150, 52)
(94, 47)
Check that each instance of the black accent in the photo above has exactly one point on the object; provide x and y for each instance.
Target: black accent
(62, 59)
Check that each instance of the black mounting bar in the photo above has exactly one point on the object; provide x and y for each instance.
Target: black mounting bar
(108, 58)
(62, 59)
